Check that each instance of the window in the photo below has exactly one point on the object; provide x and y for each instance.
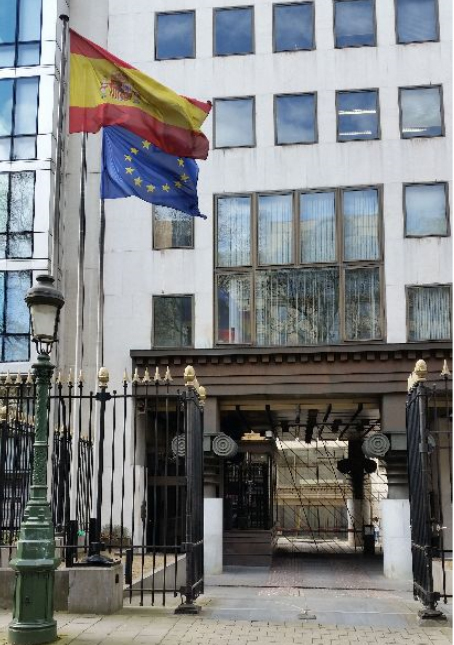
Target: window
(14, 316)
(354, 23)
(357, 115)
(429, 312)
(293, 26)
(17, 205)
(175, 35)
(329, 293)
(20, 33)
(234, 122)
(295, 118)
(172, 321)
(420, 112)
(417, 21)
(18, 118)
(172, 229)
(233, 31)
(426, 209)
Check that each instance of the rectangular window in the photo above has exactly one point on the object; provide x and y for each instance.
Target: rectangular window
(233, 231)
(275, 228)
(17, 206)
(318, 227)
(233, 31)
(295, 118)
(420, 112)
(172, 321)
(426, 209)
(234, 122)
(18, 118)
(360, 218)
(234, 308)
(417, 21)
(293, 26)
(354, 23)
(362, 304)
(172, 229)
(357, 115)
(20, 33)
(175, 35)
(14, 316)
(429, 313)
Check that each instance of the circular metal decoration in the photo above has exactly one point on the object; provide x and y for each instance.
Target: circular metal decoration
(179, 445)
(224, 446)
(377, 445)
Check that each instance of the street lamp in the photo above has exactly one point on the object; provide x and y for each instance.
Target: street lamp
(35, 562)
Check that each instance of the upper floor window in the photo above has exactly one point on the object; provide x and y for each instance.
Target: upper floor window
(417, 21)
(234, 122)
(17, 200)
(420, 112)
(233, 31)
(426, 209)
(172, 229)
(354, 23)
(18, 118)
(429, 312)
(172, 321)
(293, 26)
(357, 115)
(295, 116)
(14, 316)
(175, 35)
(20, 32)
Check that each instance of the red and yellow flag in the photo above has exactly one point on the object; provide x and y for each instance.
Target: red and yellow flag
(104, 90)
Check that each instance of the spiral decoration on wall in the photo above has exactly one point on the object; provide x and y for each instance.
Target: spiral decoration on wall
(224, 446)
(377, 445)
(179, 445)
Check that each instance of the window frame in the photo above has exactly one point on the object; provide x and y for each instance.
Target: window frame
(299, 49)
(8, 206)
(254, 122)
(445, 185)
(253, 43)
(16, 43)
(168, 296)
(5, 334)
(374, 11)
(171, 248)
(371, 89)
(11, 135)
(194, 34)
(434, 285)
(415, 42)
(275, 119)
(442, 111)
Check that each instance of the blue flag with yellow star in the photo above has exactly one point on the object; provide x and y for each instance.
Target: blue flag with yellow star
(134, 166)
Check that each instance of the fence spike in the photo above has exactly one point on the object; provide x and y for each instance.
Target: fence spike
(29, 379)
(146, 376)
(81, 378)
(157, 375)
(103, 377)
(445, 373)
(70, 377)
(136, 377)
(3, 413)
(126, 378)
(18, 380)
(202, 394)
(58, 379)
(168, 377)
(8, 379)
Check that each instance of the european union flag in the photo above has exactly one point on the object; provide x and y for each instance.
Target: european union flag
(134, 166)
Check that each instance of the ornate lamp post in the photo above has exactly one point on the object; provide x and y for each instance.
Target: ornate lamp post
(35, 563)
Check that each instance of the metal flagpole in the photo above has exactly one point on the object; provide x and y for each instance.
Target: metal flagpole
(102, 238)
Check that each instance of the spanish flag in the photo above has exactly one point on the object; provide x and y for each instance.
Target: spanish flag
(104, 90)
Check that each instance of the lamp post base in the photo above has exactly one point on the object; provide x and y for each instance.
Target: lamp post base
(32, 634)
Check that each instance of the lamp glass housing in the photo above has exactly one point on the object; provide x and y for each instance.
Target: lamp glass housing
(44, 319)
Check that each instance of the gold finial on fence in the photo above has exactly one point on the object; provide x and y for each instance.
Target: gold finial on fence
(168, 377)
(189, 376)
(29, 379)
(58, 379)
(18, 380)
(146, 376)
(157, 375)
(202, 394)
(126, 378)
(80, 380)
(70, 377)
(136, 377)
(103, 377)
(445, 373)
(419, 374)
(8, 379)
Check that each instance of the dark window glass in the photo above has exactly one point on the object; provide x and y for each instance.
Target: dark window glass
(175, 35)
(357, 115)
(234, 123)
(233, 31)
(295, 119)
(172, 229)
(417, 21)
(18, 118)
(20, 32)
(429, 313)
(426, 209)
(293, 27)
(172, 318)
(15, 319)
(17, 197)
(234, 231)
(421, 112)
(362, 304)
(354, 23)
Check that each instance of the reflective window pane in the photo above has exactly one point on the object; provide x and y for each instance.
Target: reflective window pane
(362, 304)
(5, 148)
(29, 20)
(420, 112)
(172, 229)
(20, 246)
(7, 53)
(24, 148)
(17, 192)
(175, 35)
(357, 114)
(360, 218)
(17, 315)
(3, 239)
(8, 13)
(2, 301)
(426, 209)
(6, 106)
(22, 201)
(233, 231)
(416, 20)
(16, 348)
(26, 106)
(4, 193)
(233, 31)
(293, 27)
(172, 318)
(234, 123)
(318, 227)
(234, 309)
(429, 313)
(354, 23)
(28, 54)
(275, 224)
(295, 119)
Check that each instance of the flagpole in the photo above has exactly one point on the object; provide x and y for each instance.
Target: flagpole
(102, 238)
